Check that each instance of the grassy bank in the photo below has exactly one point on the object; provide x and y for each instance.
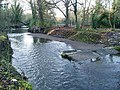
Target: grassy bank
(86, 36)
(10, 79)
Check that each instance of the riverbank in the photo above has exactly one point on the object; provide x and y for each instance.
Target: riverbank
(41, 62)
(82, 51)
(74, 44)
(10, 79)
(105, 36)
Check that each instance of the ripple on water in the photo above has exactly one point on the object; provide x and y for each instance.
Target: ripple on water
(46, 70)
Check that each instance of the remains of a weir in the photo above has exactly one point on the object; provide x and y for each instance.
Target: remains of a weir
(92, 55)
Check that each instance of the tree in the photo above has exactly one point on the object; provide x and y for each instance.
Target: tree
(40, 11)
(66, 4)
(74, 4)
(34, 11)
(116, 14)
(99, 14)
(4, 16)
(110, 13)
(86, 12)
(17, 12)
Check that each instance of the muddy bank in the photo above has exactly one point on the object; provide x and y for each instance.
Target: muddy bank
(10, 79)
(108, 37)
(83, 50)
(75, 44)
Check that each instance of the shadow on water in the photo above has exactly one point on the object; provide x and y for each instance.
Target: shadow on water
(40, 60)
(41, 40)
(18, 30)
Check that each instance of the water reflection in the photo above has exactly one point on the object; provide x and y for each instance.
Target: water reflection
(46, 70)
(27, 39)
(18, 30)
(40, 40)
(112, 59)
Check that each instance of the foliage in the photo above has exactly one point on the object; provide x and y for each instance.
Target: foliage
(42, 14)
(7, 71)
(17, 12)
(7, 74)
(2, 38)
(103, 17)
(87, 36)
(34, 13)
(117, 48)
(4, 18)
(97, 12)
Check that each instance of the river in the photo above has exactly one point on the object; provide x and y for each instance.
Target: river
(42, 64)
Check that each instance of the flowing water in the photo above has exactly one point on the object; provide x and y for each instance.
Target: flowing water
(41, 62)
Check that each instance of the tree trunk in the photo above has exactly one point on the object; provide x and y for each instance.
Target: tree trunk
(110, 16)
(67, 13)
(83, 19)
(40, 11)
(75, 12)
(34, 13)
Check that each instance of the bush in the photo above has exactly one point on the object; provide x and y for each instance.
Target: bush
(87, 36)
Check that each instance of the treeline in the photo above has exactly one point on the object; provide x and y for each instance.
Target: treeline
(77, 13)
(10, 16)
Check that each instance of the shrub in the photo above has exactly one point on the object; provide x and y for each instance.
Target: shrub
(86, 36)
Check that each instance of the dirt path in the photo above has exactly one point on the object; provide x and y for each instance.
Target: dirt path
(74, 44)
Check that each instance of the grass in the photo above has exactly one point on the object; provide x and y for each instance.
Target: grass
(2, 38)
(86, 36)
(117, 48)
(90, 35)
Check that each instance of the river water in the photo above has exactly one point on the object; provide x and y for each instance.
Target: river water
(41, 62)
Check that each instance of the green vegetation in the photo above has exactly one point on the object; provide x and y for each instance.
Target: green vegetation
(2, 38)
(117, 48)
(4, 19)
(103, 14)
(7, 76)
(89, 36)
(10, 79)
(88, 20)
(17, 13)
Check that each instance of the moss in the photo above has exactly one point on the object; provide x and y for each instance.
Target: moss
(26, 84)
(2, 38)
(7, 71)
(7, 74)
(86, 36)
(117, 48)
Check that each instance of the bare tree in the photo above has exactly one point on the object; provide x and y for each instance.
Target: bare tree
(75, 4)
(86, 12)
(66, 4)
(110, 13)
